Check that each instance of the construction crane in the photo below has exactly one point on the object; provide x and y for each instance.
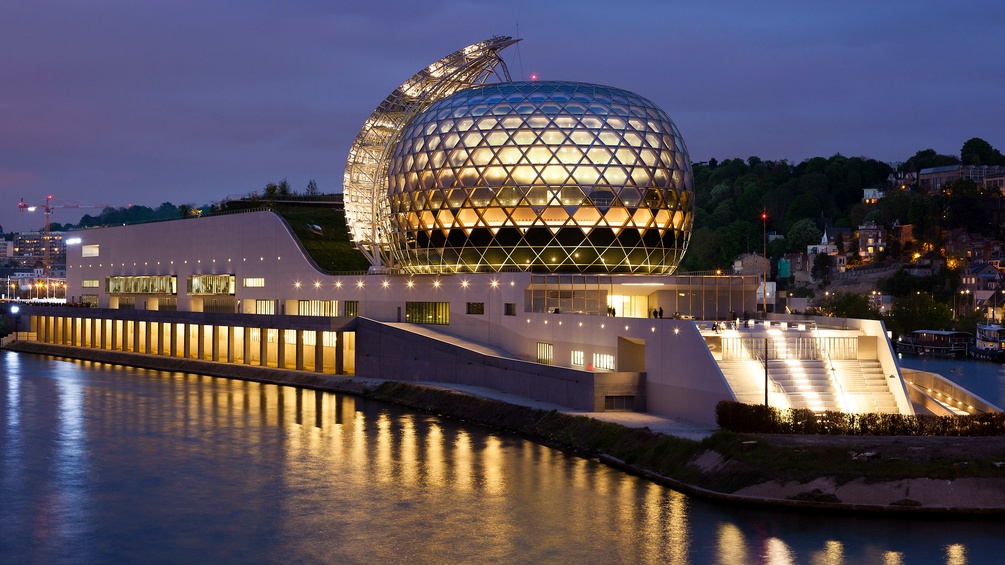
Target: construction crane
(47, 209)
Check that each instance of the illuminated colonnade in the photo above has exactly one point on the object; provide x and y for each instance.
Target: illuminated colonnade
(302, 349)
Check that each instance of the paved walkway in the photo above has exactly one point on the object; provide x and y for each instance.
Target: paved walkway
(670, 426)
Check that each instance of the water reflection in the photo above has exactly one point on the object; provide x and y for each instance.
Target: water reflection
(127, 464)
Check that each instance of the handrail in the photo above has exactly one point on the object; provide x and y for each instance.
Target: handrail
(836, 381)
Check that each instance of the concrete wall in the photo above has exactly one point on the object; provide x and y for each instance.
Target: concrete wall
(388, 352)
(683, 379)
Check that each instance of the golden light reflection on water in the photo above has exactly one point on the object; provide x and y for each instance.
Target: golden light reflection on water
(956, 554)
(893, 558)
(777, 552)
(832, 554)
(731, 544)
(493, 466)
(462, 461)
(435, 465)
(386, 484)
(409, 454)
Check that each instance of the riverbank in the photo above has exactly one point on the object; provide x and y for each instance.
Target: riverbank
(859, 474)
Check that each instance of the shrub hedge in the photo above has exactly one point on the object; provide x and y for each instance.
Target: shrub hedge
(760, 419)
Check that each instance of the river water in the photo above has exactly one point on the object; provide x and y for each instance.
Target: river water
(101, 463)
(986, 379)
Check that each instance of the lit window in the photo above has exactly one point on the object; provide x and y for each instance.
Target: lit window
(89, 251)
(254, 282)
(603, 361)
(545, 353)
(577, 358)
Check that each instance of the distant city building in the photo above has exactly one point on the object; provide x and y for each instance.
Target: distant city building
(29, 247)
(902, 181)
(827, 246)
(750, 264)
(872, 195)
(995, 181)
(927, 265)
(6, 250)
(972, 247)
(903, 233)
(933, 179)
(871, 240)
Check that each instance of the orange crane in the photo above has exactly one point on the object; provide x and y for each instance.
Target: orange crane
(47, 209)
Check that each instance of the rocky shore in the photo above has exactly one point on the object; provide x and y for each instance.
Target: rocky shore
(926, 475)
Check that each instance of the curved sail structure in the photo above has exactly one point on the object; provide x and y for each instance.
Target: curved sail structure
(365, 182)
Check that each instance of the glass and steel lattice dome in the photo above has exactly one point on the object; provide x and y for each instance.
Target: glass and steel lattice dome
(545, 176)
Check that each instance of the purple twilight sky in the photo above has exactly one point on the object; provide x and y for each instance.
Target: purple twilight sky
(120, 102)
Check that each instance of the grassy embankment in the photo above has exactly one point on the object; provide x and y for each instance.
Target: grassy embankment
(331, 248)
(742, 464)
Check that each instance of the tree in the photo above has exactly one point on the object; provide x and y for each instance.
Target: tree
(821, 269)
(927, 158)
(849, 305)
(802, 233)
(919, 311)
(976, 151)
(312, 188)
(284, 188)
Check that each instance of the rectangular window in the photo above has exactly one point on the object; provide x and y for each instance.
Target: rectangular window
(352, 307)
(254, 282)
(317, 308)
(603, 361)
(267, 307)
(619, 403)
(169, 304)
(88, 250)
(224, 305)
(545, 353)
(510, 309)
(476, 308)
(90, 299)
(90, 283)
(436, 313)
(578, 358)
(211, 284)
(127, 303)
(142, 284)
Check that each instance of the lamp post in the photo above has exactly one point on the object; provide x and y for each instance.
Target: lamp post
(764, 295)
(765, 367)
(14, 310)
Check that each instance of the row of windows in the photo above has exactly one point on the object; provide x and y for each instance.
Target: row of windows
(602, 361)
(318, 308)
(437, 313)
(167, 284)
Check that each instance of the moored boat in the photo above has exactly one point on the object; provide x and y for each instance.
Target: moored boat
(990, 342)
(936, 343)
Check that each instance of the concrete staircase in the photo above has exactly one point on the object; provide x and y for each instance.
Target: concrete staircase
(866, 386)
(746, 380)
(807, 383)
(861, 386)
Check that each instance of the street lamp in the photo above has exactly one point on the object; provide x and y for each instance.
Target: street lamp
(764, 295)
(14, 310)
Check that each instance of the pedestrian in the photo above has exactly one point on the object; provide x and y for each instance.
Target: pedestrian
(661, 312)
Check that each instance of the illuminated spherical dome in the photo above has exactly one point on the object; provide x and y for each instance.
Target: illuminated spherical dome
(546, 176)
